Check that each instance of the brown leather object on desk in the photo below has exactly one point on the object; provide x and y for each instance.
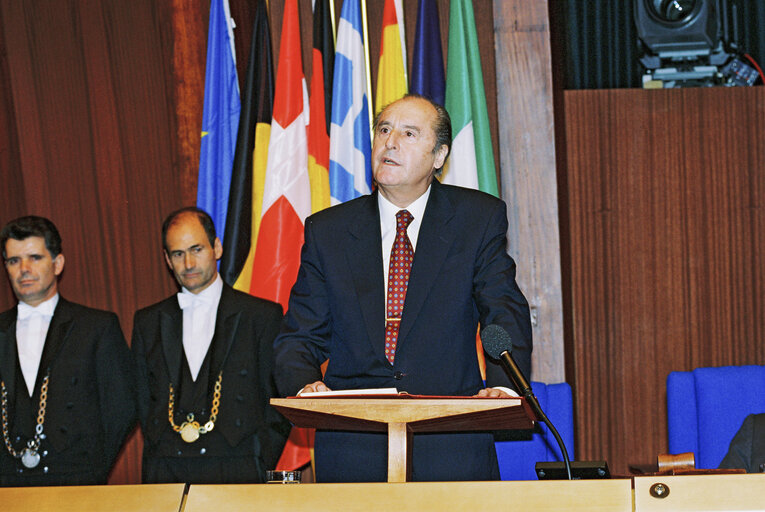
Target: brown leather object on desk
(680, 464)
(681, 461)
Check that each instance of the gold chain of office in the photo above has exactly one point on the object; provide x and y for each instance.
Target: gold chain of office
(29, 456)
(190, 429)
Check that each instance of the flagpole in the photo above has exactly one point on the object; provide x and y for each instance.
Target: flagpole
(367, 65)
(402, 35)
(332, 20)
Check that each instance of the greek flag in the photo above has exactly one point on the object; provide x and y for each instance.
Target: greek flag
(350, 170)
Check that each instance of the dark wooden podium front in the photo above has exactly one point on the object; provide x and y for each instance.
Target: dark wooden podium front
(402, 417)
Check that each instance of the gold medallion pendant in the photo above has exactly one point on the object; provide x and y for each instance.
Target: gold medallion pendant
(30, 458)
(190, 431)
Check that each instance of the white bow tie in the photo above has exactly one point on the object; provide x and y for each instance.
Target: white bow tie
(189, 300)
(25, 310)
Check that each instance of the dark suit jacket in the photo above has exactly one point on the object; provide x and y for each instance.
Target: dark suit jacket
(90, 405)
(251, 429)
(747, 449)
(461, 274)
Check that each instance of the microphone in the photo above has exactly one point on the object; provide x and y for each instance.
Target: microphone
(499, 345)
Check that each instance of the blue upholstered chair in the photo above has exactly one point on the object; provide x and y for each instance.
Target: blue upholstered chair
(706, 406)
(518, 456)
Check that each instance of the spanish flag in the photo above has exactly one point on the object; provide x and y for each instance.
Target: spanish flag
(391, 70)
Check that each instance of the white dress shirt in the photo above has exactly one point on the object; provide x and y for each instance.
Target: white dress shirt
(199, 313)
(388, 213)
(32, 324)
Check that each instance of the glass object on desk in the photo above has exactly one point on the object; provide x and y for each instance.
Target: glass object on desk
(283, 477)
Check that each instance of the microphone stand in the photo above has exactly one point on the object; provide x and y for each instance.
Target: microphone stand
(525, 388)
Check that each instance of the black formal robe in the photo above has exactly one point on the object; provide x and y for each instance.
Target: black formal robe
(249, 434)
(90, 403)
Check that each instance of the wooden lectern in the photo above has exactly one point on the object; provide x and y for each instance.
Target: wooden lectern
(403, 415)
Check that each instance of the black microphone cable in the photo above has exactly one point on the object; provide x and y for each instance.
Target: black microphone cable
(498, 344)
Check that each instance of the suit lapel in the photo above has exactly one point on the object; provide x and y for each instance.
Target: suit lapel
(433, 242)
(171, 334)
(58, 334)
(364, 255)
(8, 353)
(226, 324)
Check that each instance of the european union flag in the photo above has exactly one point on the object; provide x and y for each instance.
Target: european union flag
(220, 117)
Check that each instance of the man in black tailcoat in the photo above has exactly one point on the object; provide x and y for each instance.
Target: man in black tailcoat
(67, 384)
(204, 362)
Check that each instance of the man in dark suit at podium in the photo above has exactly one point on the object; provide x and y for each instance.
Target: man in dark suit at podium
(747, 449)
(67, 384)
(204, 359)
(442, 252)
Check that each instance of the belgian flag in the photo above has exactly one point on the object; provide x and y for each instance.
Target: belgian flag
(250, 157)
(322, 58)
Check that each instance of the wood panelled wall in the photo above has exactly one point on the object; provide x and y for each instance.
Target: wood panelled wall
(665, 192)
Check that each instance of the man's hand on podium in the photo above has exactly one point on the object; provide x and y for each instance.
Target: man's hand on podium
(495, 393)
(314, 387)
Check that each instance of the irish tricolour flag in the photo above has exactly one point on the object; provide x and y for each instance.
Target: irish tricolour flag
(471, 163)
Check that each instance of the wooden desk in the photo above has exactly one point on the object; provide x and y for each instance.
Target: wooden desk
(95, 498)
(547, 496)
(686, 493)
(701, 493)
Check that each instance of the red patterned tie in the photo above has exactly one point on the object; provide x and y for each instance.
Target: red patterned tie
(398, 278)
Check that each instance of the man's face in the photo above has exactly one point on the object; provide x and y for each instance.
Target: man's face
(190, 255)
(403, 160)
(32, 270)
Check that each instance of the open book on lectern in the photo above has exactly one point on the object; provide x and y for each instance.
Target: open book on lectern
(354, 392)
(376, 393)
